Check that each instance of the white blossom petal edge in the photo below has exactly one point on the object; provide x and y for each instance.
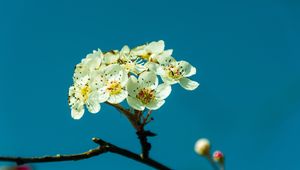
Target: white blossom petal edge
(145, 92)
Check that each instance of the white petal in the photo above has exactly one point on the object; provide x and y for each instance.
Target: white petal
(93, 106)
(77, 110)
(135, 103)
(168, 80)
(138, 68)
(103, 95)
(185, 68)
(92, 60)
(118, 98)
(139, 50)
(166, 53)
(156, 68)
(125, 49)
(82, 81)
(71, 90)
(132, 86)
(155, 104)
(148, 79)
(77, 114)
(156, 47)
(113, 72)
(163, 91)
(192, 72)
(165, 60)
(111, 57)
(123, 77)
(188, 84)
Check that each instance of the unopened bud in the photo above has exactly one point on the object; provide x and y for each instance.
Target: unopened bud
(218, 157)
(202, 147)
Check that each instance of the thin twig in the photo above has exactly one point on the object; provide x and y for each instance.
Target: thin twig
(115, 149)
(138, 124)
(145, 121)
(212, 163)
(56, 158)
(103, 148)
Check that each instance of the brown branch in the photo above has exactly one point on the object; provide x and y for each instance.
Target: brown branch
(102, 148)
(138, 124)
(143, 138)
(115, 149)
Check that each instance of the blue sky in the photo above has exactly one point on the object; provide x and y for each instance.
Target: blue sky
(247, 56)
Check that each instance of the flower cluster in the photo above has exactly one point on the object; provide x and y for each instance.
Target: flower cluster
(128, 74)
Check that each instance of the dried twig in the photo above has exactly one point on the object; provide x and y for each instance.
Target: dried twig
(102, 148)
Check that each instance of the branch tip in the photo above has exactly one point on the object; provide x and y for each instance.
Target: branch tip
(99, 141)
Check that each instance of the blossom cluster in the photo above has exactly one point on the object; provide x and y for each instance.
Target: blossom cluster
(128, 74)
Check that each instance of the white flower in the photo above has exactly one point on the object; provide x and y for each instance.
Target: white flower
(172, 71)
(88, 64)
(103, 77)
(145, 92)
(83, 93)
(153, 64)
(111, 57)
(111, 82)
(149, 51)
(202, 146)
(130, 62)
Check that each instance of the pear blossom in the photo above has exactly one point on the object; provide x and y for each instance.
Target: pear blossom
(130, 62)
(126, 60)
(111, 57)
(130, 74)
(149, 51)
(111, 82)
(172, 71)
(81, 94)
(144, 91)
(91, 63)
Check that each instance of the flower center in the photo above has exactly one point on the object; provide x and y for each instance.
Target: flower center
(146, 55)
(173, 72)
(114, 88)
(153, 60)
(146, 95)
(85, 91)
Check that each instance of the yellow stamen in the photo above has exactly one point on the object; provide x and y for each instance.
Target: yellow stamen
(114, 88)
(146, 56)
(146, 95)
(85, 91)
(173, 72)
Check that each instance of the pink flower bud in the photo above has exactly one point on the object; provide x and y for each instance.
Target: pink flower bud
(218, 157)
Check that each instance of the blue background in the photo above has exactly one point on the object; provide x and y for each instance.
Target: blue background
(247, 55)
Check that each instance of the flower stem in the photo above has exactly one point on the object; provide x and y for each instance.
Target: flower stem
(138, 124)
(212, 163)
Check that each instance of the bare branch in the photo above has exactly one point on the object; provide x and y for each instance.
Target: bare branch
(138, 124)
(57, 158)
(102, 148)
(117, 150)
